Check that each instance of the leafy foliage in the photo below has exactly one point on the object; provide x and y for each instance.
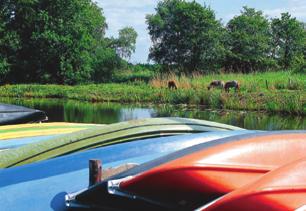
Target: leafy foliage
(126, 43)
(61, 37)
(185, 36)
(247, 42)
(106, 61)
(9, 40)
(57, 41)
(289, 41)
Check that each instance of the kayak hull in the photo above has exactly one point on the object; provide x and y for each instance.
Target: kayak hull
(50, 180)
(14, 136)
(107, 135)
(280, 189)
(12, 114)
(191, 177)
(41, 129)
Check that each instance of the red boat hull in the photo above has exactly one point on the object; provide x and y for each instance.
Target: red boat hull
(281, 189)
(212, 172)
(190, 178)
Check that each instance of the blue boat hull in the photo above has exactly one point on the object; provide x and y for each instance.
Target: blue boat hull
(43, 185)
(18, 142)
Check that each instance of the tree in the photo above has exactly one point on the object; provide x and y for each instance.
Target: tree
(303, 64)
(105, 63)
(111, 52)
(288, 40)
(66, 35)
(126, 43)
(58, 39)
(9, 40)
(248, 42)
(186, 36)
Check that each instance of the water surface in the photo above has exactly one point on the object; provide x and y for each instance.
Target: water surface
(106, 113)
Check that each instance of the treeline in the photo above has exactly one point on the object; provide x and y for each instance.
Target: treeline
(187, 37)
(59, 41)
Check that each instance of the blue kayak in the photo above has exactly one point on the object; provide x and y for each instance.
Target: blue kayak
(43, 185)
(18, 142)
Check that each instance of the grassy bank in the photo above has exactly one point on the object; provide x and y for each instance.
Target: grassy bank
(272, 92)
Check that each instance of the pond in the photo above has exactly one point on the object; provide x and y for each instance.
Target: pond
(106, 113)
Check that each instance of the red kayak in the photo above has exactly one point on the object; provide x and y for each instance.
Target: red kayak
(215, 171)
(281, 189)
(195, 176)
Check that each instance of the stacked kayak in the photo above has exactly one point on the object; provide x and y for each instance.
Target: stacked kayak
(106, 135)
(50, 180)
(13, 136)
(281, 189)
(168, 164)
(12, 114)
(192, 177)
(41, 129)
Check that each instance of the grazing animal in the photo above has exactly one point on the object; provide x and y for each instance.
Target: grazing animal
(231, 84)
(172, 85)
(216, 83)
(261, 94)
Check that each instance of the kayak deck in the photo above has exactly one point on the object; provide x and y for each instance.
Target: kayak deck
(41, 129)
(49, 180)
(107, 135)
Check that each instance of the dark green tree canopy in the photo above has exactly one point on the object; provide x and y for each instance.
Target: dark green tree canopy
(63, 41)
(248, 42)
(61, 36)
(57, 41)
(289, 38)
(185, 35)
(9, 39)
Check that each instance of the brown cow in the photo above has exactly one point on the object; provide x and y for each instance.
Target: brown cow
(231, 84)
(216, 83)
(172, 85)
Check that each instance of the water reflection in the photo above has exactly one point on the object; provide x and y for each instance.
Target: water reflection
(249, 120)
(106, 113)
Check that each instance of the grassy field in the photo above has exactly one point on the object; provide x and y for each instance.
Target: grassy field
(272, 92)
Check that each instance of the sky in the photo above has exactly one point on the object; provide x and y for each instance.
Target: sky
(122, 13)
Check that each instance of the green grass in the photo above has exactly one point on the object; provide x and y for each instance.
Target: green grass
(128, 76)
(250, 82)
(281, 92)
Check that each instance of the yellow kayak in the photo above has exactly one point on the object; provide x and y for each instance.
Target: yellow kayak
(41, 129)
